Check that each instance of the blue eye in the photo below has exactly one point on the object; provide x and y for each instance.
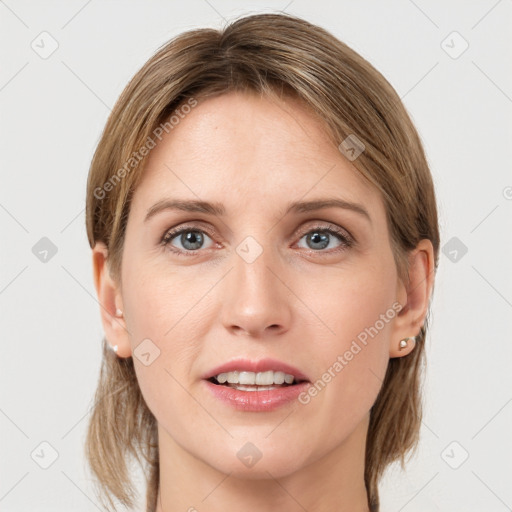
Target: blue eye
(192, 239)
(320, 236)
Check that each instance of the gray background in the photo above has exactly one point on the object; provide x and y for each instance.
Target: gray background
(53, 110)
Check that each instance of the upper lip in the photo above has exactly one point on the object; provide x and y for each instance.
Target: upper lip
(261, 365)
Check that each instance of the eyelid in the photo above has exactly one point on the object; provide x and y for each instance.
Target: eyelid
(328, 226)
(192, 226)
(346, 240)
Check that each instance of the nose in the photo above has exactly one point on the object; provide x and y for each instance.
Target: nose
(256, 298)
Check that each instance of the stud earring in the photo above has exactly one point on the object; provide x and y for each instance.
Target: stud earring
(119, 313)
(113, 347)
(405, 341)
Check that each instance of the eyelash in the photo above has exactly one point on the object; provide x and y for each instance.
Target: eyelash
(341, 235)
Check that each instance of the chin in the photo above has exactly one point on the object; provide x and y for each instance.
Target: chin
(258, 460)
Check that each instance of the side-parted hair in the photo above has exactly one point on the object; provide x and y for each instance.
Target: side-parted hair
(270, 54)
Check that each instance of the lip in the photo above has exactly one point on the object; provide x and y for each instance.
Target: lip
(261, 365)
(256, 401)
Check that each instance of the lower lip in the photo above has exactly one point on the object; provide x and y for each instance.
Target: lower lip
(256, 401)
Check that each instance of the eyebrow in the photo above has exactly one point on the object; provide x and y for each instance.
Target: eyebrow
(218, 209)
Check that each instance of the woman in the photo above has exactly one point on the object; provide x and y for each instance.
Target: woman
(265, 239)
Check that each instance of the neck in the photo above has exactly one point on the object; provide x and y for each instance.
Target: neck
(333, 482)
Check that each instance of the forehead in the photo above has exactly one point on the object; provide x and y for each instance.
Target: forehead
(241, 149)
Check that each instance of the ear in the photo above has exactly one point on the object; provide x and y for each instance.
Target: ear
(414, 297)
(110, 300)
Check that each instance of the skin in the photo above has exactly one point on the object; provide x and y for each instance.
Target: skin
(303, 304)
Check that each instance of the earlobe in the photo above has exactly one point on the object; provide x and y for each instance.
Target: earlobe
(404, 347)
(110, 302)
(416, 295)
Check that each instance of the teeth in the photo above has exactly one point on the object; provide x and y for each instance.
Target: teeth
(252, 388)
(232, 377)
(250, 378)
(279, 377)
(222, 378)
(288, 378)
(246, 378)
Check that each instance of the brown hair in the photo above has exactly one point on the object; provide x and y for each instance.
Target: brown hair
(267, 54)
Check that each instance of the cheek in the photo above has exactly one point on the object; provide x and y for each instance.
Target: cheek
(161, 307)
(352, 343)
(352, 300)
(159, 301)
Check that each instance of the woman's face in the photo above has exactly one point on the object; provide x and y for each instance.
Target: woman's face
(257, 281)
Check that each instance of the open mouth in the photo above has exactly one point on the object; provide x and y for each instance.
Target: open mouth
(255, 387)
